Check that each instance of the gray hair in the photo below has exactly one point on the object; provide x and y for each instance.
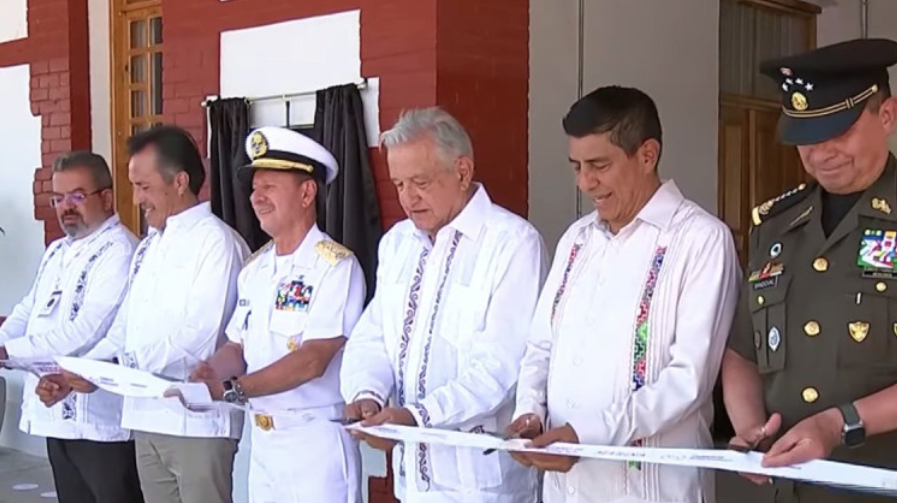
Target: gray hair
(449, 136)
(83, 159)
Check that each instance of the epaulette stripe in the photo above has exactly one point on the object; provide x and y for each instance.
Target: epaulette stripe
(258, 252)
(765, 210)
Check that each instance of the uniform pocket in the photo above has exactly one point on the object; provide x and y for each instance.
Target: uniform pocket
(287, 323)
(868, 336)
(769, 317)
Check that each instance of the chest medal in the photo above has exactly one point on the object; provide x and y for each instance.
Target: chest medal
(878, 253)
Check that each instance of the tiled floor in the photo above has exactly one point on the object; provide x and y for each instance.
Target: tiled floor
(19, 469)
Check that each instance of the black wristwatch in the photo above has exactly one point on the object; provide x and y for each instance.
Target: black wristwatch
(233, 392)
(853, 434)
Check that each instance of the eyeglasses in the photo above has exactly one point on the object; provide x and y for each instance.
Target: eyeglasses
(76, 198)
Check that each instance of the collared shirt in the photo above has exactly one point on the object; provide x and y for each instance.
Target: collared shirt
(444, 334)
(286, 300)
(78, 289)
(626, 343)
(183, 292)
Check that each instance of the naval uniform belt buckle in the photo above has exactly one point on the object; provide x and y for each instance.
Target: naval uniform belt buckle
(264, 421)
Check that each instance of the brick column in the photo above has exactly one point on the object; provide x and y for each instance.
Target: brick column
(482, 77)
(60, 90)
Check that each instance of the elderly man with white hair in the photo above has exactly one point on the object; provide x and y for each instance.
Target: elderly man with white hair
(441, 342)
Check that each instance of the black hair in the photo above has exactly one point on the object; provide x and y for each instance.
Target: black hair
(176, 152)
(93, 163)
(627, 114)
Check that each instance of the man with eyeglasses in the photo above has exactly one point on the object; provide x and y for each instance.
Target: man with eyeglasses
(79, 286)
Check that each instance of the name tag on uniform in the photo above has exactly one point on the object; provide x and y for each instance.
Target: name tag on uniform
(767, 276)
(878, 253)
(293, 295)
(51, 304)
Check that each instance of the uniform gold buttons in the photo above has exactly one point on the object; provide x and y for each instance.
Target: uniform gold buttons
(881, 286)
(820, 264)
(811, 328)
(760, 300)
(810, 394)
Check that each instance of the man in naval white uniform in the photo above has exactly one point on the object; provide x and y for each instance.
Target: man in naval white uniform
(445, 332)
(79, 286)
(299, 298)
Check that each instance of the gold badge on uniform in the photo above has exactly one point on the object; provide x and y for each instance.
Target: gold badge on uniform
(258, 144)
(799, 101)
(881, 205)
(859, 330)
(292, 344)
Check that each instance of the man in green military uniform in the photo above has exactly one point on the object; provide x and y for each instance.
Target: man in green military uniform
(811, 369)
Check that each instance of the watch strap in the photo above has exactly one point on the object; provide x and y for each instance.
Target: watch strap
(851, 416)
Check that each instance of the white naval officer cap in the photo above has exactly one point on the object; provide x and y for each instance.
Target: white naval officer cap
(283, 149)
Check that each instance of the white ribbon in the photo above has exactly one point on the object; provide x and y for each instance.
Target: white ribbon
(820, 472)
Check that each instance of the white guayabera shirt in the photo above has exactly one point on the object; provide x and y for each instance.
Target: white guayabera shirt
(76, 294)
(183, 292)
(444, 336)
(626, 344)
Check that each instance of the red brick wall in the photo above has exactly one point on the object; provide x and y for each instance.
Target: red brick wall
(398, 45)
(58, 53)
(469, 56)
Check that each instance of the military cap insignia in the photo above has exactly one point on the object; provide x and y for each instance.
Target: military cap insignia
(881, 205)
(799, 101)
(258, 145)
(786, 71)
(764, 209)
(332, 251)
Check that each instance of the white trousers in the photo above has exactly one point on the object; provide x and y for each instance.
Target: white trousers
(318, 462)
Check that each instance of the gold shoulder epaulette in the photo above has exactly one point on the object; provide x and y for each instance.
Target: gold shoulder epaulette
(332, 251)
(777, 204)
(258, 252)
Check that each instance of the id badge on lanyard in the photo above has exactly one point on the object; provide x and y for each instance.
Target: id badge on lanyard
(51, 303)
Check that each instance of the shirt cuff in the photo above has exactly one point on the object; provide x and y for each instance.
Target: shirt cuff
(370, 395)
(421, 415)
(20, 348)
(530, 407)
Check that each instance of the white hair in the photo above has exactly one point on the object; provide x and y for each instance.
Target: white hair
(447, 134)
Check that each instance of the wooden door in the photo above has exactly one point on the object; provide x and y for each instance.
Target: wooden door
(136, 90)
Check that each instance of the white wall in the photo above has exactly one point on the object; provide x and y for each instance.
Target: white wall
(299, 56)
(671, 54)
(23, 245)
(553, 88)
(13, 19)
(100, 78)
(842, 20)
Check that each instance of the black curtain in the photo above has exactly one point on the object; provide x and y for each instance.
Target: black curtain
(347, 208)
(229, 121)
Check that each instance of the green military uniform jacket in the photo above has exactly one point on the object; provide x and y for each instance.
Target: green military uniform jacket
(819, 316)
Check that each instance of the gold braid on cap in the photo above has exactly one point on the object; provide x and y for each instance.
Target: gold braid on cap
(832, 109)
